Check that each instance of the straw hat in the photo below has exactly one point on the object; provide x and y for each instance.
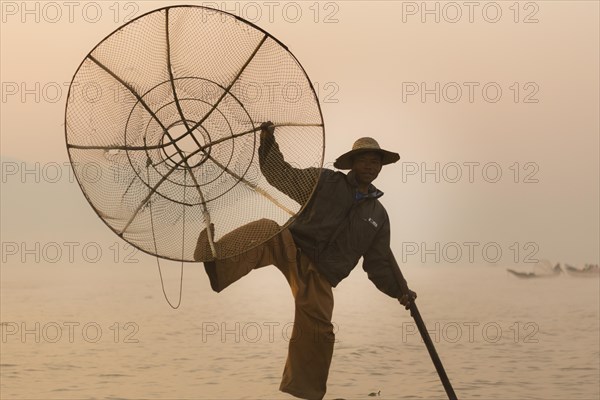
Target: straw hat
(364, 145)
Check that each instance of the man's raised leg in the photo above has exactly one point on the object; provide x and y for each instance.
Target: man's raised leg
(278, 250)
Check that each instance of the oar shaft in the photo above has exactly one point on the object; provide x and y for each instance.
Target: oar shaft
(414, 311)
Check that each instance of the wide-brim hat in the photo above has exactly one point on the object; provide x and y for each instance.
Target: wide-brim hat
(364, 145)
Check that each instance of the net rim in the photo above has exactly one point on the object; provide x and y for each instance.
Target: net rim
(267, 35)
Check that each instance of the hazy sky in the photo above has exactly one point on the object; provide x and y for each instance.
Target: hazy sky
(488, 89)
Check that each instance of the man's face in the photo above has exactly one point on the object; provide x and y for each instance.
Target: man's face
(366, 166)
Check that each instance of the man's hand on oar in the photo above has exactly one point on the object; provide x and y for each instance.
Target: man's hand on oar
(407, 298)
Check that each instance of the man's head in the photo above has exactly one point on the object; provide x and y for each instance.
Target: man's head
(365, 147)
(366, 166)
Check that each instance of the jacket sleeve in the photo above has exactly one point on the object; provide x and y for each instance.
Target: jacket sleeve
(379, 264)
(295, 182)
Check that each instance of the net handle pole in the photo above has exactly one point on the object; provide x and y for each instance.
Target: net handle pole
(174, 141)
(287, 124)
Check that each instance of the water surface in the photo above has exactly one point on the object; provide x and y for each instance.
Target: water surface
(105, 331)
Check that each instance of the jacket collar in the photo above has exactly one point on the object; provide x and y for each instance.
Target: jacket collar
(373, 191)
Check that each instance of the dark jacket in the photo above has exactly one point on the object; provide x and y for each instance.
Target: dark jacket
(334, 230)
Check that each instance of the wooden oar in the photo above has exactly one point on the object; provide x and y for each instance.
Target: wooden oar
(414, 312)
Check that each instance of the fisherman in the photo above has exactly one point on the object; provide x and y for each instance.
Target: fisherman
(342, 222)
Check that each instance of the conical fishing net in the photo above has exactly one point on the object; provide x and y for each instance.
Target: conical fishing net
(166, 113)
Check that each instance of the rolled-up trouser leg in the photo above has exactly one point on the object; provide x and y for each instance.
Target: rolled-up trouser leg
(311, 345)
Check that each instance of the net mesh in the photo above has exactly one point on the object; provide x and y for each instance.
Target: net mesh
(162, 129)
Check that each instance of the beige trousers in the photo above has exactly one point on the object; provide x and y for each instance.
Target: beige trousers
(311, 345)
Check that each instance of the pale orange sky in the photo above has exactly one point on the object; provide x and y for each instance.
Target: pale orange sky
(369, 56)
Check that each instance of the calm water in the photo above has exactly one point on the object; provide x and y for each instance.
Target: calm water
(107, 332)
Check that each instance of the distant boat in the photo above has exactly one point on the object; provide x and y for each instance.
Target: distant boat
(541, 270)
(587, 270)
(521, 274)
